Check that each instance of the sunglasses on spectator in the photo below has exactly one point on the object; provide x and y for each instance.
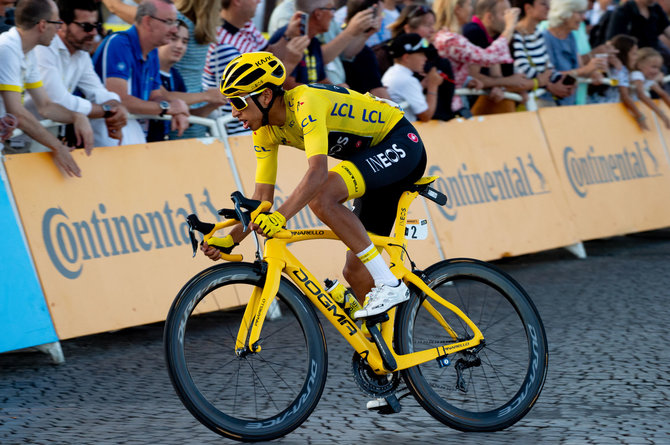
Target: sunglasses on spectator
(240, 102)
(88, 27)
(55, 22)
(423, 43)
(168, 22)
(333, 9)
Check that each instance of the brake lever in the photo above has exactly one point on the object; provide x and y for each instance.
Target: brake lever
(242, 216)
(194, 226)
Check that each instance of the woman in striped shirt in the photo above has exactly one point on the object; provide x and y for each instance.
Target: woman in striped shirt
(530, 53)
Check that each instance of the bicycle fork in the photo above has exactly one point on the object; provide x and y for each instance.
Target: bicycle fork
(256, 310)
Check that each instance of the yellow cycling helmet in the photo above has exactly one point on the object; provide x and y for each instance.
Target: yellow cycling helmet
(251, 72)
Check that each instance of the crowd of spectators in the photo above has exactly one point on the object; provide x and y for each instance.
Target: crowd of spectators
(169, 59)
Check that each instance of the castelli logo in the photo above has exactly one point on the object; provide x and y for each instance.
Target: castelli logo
(358, 144)
(412, 137)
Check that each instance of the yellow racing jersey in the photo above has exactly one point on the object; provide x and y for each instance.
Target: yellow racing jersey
(327, 120)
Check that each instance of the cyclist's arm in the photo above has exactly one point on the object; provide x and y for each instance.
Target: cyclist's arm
(262, 192)
(309, 185)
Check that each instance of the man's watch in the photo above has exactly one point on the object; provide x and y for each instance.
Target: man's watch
(108, 111)
(165, 106)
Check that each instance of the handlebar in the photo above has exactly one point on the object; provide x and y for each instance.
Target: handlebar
(245, 211)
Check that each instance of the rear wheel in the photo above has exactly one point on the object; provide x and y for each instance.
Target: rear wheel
(245, 396)
(485, 388)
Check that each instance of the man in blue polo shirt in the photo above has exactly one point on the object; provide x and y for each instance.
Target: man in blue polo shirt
(127, 62)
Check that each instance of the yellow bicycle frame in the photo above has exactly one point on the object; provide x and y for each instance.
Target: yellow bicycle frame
(280, 260)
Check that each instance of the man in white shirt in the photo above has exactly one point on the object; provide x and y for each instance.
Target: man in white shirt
(37, 22)
(65, 65)
(409, 57)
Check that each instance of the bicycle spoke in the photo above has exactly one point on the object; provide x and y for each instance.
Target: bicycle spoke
(253, 370)
(474, 391)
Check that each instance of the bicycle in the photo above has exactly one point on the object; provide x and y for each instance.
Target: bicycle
(250, 378)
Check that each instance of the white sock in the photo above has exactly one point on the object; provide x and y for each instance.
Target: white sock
(375, 264)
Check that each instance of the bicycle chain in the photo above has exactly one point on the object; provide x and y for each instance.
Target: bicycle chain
(370, 383)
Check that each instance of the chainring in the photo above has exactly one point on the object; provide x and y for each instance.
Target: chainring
(370, 383)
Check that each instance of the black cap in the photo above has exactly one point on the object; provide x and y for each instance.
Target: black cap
(408, 44)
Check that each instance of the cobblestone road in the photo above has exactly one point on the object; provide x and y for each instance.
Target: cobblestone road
(606, 319)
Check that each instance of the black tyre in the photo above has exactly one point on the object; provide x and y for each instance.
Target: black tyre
(255, 396)
(485, 389)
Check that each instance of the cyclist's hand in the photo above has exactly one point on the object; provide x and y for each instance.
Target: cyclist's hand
(269, 224)
(215, 246)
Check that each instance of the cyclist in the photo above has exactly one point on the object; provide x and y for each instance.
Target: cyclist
(380, 150)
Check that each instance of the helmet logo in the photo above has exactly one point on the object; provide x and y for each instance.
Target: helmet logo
(262, 61)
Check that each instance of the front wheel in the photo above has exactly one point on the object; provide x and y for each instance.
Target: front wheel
(247, 396)
(484, 388)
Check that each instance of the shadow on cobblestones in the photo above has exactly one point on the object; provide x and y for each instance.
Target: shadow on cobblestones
(605, 316)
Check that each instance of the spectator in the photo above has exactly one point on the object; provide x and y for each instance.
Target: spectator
(311, 69)
(409, 58)
(281, 16)
(127, 62)
(415, 18)
(37, 22)
(387, 10)
(202, 26)
(237, 35)
(420, 19)
(363, 73)
(645, 79)
(487, 23)
(643, 19)
(168, 56)
(599, 19)
(566, 16)
(621, 65)
(65, 67)
(451, 15)
(6, 14)
(335, 42)
(530, 53)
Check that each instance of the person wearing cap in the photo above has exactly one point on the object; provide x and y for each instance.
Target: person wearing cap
(409, 57)
(381, 154)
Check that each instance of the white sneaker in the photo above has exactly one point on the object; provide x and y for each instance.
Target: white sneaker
(382, 298)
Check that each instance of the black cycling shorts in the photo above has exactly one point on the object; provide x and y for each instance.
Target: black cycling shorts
(398, 161)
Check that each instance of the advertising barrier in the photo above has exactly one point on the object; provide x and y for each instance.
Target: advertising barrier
(504, 197)
(112, 248)
(616, 177)
(24, 317)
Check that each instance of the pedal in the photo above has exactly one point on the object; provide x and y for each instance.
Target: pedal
(385, 406)
(376, 319)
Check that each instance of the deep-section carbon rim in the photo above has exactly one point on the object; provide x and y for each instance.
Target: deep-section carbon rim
(249, 396)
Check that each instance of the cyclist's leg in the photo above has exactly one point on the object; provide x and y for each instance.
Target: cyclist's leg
(378, 174)
(377, 213)
(358, 276)
(327, 206)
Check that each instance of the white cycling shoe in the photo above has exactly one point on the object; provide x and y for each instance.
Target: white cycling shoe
(382, 298)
